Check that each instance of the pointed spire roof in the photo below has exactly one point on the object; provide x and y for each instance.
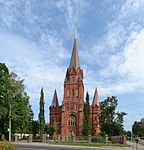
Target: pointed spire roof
(96, 98)
(55, 99)
(74, 57)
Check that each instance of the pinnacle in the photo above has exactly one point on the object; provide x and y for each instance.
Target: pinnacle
(74, 57)
(55, 99)
(96, 98)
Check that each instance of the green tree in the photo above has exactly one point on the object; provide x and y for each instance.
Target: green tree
(110, 120)
(128, 133)
(22, 114)
(12, 91)
(41, 117)
(4, 95)
(49, 129)
(35, 128)
(87, 124)
(138, 128)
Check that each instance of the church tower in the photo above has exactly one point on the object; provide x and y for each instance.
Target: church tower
(68, 118)
(55, 114)
(73, 101)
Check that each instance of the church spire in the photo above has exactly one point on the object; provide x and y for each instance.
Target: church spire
(55, 100)
(74, 57)
(96, 98)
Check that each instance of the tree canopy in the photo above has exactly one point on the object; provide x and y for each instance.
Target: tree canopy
(138, 128)
(12, 92)
(110, 120)
(49, 129)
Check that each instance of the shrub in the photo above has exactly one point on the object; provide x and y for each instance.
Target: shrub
(7, 146)
(98, 139)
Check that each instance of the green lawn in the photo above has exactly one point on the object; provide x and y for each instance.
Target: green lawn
(142, 143)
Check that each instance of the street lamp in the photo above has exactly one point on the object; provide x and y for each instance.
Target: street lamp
(10, 120)
(1, 97)
(9, 129)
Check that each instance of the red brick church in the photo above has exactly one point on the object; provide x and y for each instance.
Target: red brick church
(68, 118)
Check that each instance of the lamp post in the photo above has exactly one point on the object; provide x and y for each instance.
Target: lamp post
(10, 123)
(9, 120)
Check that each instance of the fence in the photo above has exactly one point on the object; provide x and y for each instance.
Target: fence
(118, 139)
(86, 139)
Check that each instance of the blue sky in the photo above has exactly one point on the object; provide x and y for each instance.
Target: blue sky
(36, 40)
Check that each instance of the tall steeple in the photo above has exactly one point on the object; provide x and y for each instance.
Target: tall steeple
(74, 57)
(55, 100)
(96, 98)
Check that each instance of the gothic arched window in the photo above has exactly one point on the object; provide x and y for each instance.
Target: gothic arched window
(68, 92)
(72, 120)
(72, 93)
(77, 92)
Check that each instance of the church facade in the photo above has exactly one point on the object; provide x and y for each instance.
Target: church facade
(68, 118)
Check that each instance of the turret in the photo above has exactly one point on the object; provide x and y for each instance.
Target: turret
(54, 110)
(95, 113)
(96, 99)
(55, 100)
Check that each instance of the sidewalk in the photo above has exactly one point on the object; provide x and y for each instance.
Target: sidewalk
(139, 146)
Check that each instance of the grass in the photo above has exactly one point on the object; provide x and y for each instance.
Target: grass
(142, 143)
(89, 144)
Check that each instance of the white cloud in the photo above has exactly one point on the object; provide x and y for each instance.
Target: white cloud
(36, 66)
(120, 52)
(133, 56)
(130, 8)
(74, 11)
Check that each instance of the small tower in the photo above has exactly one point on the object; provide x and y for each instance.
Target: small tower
(55, 118)
(95, 113)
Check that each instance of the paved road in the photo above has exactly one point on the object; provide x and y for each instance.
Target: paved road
(136, 147)
(40, 146)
